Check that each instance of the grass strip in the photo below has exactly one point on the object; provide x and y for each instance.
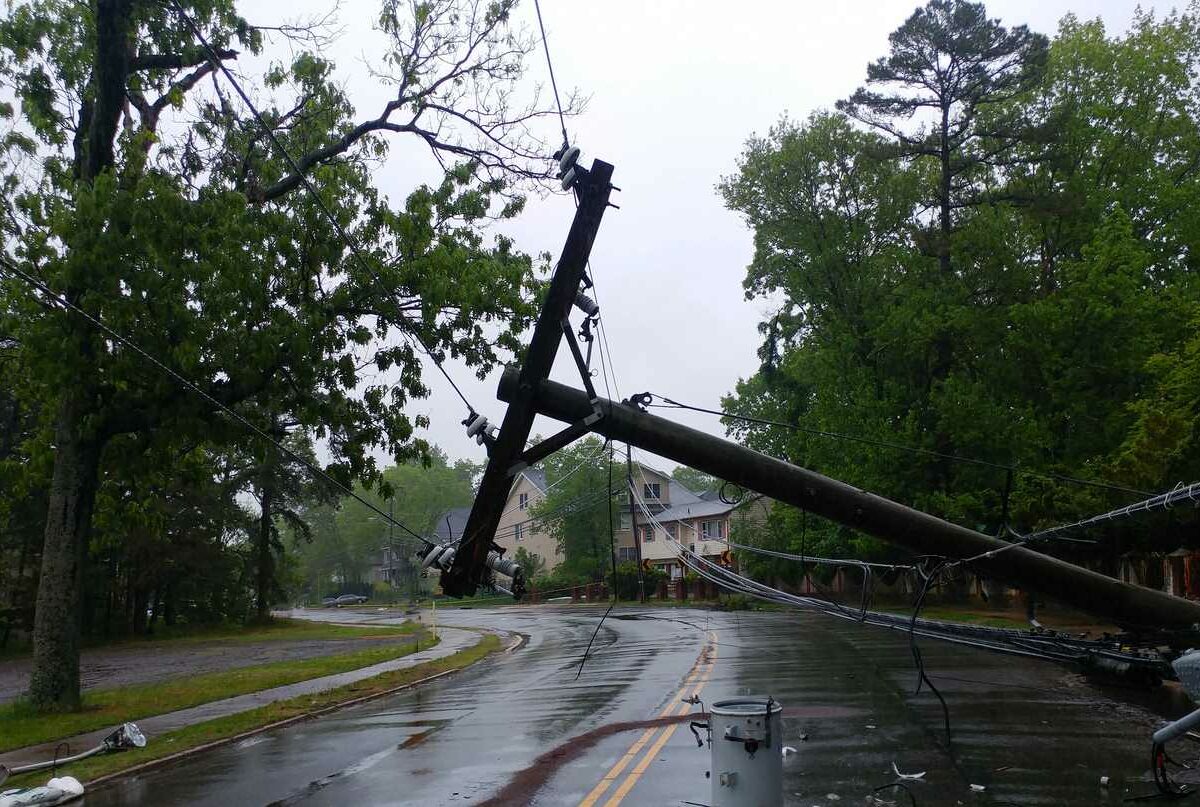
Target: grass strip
(193, 739)
(278, 629)
(21, 725)
(966, 617)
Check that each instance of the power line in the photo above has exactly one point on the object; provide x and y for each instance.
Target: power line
(550, 65)
(571, 506)
(45, 290)
(671, 404)
(612, 553)
(363, 263)
(560, 480)
(1162, 501)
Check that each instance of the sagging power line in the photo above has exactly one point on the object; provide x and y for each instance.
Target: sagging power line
(54, 298)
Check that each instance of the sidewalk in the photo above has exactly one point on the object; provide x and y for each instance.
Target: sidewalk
(452, 641)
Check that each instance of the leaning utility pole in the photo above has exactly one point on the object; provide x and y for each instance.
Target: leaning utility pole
(507, 454)
(1126, 604)
(528, 392)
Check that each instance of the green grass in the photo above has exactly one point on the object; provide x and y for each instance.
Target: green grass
(21, 725)
(946, 614)
(278, 629)
(233, 725)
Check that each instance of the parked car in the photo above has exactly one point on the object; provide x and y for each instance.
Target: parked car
(329, 602)
(350, 599)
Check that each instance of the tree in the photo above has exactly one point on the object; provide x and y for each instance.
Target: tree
(578, 508)
(163, 210)
(532, 564)
(693, 480)
(344, 542)
(1062, 342)
(949, 62)
(285, 491)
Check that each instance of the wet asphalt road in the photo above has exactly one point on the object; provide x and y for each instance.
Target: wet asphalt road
(1029, 732)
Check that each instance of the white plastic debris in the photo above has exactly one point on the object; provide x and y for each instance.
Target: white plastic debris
(978, 788)
(1103, 781)
(788, 750)
(909, 776)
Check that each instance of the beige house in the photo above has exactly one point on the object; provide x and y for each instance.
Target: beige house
(517, 529)
(701, 522)
(696, 520)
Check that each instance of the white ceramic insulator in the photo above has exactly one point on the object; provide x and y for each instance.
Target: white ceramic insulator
(568, 160)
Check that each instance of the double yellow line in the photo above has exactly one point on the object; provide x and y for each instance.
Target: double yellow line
(695, 681)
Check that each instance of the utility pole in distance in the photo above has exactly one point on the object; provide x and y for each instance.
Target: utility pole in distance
(637, 544)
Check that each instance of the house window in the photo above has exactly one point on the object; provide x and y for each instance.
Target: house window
(626, 522)
(518, 532)
(712, 530)
(670, 530)
(647, 532)
(692, 548)
(652, 490)
(523, 500)
(626, 553)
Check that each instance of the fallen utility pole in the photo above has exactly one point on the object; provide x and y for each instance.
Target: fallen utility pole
(1127, 605)
(507, 454)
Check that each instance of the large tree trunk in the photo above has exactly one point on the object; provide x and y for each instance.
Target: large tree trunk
(944, 193)
(265, 561)
(55, 678)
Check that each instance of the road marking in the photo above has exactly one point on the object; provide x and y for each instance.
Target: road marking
(696, 680)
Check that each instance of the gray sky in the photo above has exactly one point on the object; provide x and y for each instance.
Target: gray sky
(675, 88)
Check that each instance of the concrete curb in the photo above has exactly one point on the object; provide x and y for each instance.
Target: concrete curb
(109, 778)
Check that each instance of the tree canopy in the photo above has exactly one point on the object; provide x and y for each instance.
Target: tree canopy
(140, 187)
(1061, 339)
(576, 510)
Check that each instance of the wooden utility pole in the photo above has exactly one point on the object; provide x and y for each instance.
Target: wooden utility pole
(507, 454)
(637, 543)
(1125, 604)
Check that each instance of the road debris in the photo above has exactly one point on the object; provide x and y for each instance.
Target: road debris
(908, 776)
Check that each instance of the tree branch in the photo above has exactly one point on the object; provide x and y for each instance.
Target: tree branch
(176, 61)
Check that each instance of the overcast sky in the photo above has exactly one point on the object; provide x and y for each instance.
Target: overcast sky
(675, 90)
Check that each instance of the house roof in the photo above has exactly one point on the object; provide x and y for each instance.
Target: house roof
(536, 477)
(681, 495)
(712, 495)
(451, 524)
(696, 509)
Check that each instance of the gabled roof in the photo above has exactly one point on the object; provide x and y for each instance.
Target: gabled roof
(712, 495)
(451, 524)
(696, 509)
(681, 495)
(651, 468)
(536, 477)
